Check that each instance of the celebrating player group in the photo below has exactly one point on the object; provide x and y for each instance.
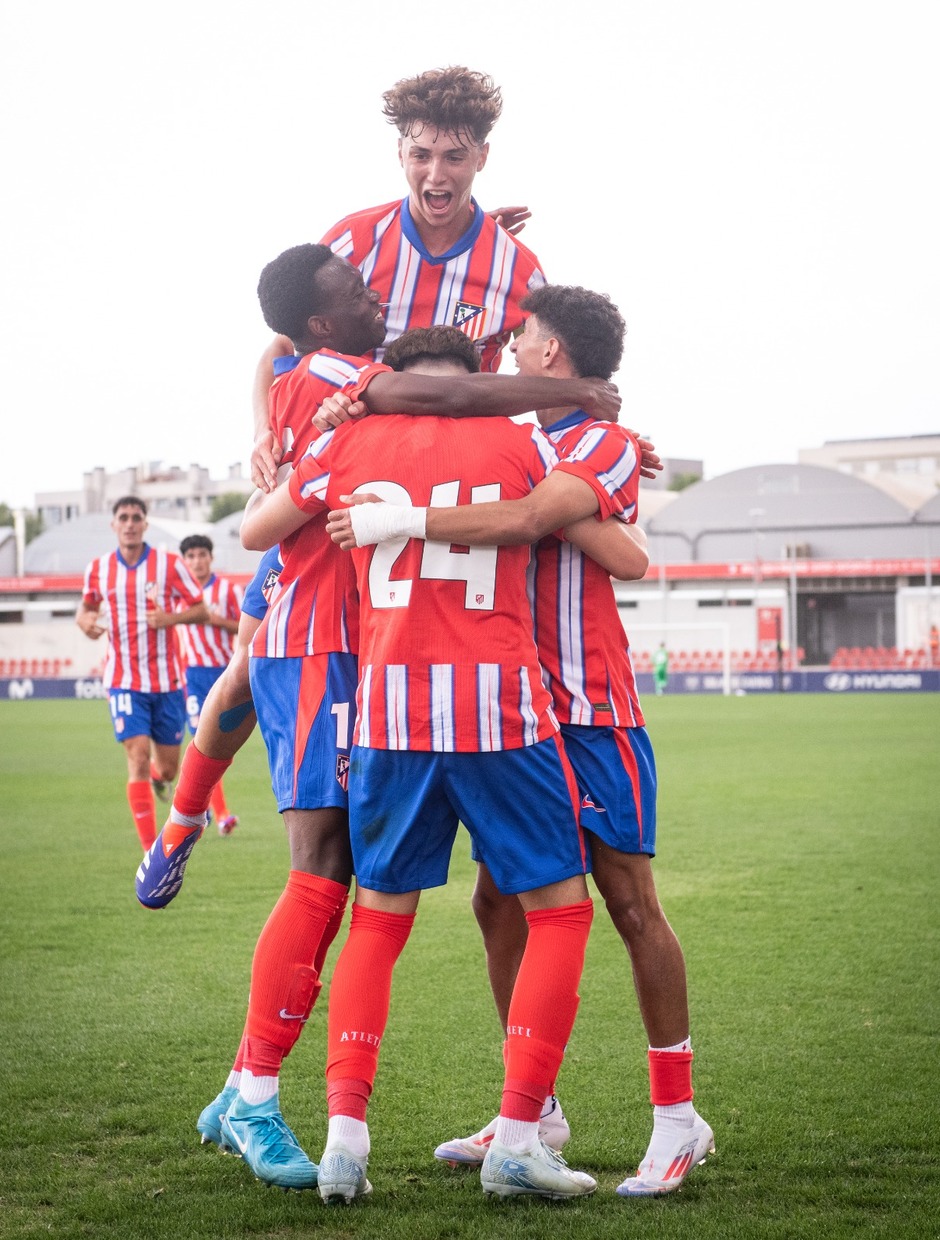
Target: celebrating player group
(432, 638)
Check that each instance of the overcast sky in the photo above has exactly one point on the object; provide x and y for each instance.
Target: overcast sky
(756, 185)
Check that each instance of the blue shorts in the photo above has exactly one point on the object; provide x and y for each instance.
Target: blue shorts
(519, 805)
(161, 716)
(199, 680)
(616, 775)
(306, 711)
(258, 590)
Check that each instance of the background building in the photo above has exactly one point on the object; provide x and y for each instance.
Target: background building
(169, 491)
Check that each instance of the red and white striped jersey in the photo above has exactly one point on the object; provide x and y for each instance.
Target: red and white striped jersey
(476, 286)
(581, 640)
(139, 657)
(315, 610)
(447, 661)
(296, 395)
(207, 645)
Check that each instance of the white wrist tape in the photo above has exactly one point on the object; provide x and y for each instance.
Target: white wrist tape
(376, 523)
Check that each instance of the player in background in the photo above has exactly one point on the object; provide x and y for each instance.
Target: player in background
(226, 720)
(142, 593)
(660, 669)
(208, 648)
(453, 721)
(585, 653)
(303, 676)
(435, 257)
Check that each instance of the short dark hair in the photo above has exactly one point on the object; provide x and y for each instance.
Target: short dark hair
(128, 501)
(588, 324)
(193, 541)
(288, 291)
(432, 342)
(455, 99)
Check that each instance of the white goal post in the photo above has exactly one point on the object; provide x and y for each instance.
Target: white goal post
(719, 627)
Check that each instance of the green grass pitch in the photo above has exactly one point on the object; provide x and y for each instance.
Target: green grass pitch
(799, 863)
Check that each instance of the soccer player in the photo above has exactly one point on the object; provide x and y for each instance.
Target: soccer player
(303, 676)
(660, 669)
(142, 592)
(585, 653)
(454, 721)
(435, 257)
(209, 648)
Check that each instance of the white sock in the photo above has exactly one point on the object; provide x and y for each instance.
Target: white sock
(516, 1134)
(257, 1089)
(234, 1079)
(186, 820)
(682, 1113)
(353, 1133)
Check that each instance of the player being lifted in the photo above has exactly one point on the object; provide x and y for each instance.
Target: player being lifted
(435, 256)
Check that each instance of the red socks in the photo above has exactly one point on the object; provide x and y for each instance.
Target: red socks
(217, 801)
(331, 930)
(359, 999)
(670, 1077)
(140, 799)
(543, 1007)
(284, 981)
(198, 776)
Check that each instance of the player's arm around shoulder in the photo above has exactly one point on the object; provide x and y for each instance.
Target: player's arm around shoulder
(556, 501)
(619, 548)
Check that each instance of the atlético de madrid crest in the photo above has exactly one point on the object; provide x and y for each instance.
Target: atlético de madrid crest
(342, 771)
(464, 311)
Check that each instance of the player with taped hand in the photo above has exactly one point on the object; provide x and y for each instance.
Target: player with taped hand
(586, 656)
(303, 672)
(335, 321)
(455, 637)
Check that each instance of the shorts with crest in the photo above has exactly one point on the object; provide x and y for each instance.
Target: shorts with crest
(161, 716)
(519, 805)
(616, 775)
(306, 710)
